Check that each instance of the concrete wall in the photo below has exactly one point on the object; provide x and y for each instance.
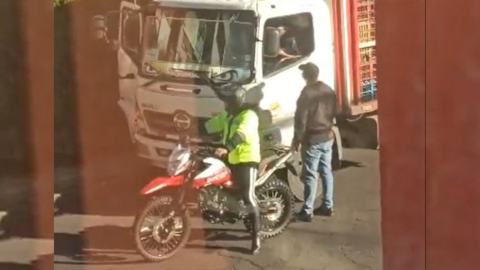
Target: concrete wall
(14, 178)
(12, 86)
(401, 80)
(26, 141)
(429, 132)
(97, 152)
(453, 135)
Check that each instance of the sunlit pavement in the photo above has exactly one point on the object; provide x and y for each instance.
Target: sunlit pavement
(350, 240)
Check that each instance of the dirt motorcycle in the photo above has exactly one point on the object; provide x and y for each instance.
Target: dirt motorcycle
(199, 183)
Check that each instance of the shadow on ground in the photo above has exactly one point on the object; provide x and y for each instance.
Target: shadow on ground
(108, 200)
(110, 245)
(17, 266)
(42, 263)
(113, 191)
(348, 164)
(18, 222)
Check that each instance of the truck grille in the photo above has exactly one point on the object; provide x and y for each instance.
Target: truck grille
(162, 123)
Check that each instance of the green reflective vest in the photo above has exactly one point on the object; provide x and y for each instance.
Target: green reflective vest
(246, 123)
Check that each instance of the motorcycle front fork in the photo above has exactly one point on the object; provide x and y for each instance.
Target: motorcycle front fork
(178, 203)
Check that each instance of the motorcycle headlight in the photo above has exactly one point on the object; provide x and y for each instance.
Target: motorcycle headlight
(178, 160)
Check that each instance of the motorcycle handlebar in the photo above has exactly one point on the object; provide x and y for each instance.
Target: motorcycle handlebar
(282, 150)
(279, 150)
(203, 150)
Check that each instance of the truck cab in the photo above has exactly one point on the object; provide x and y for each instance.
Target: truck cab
(163, 45)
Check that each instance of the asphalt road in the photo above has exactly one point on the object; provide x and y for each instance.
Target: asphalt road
(350, 240)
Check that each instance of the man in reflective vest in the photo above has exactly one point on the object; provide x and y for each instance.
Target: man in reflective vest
(241, 141)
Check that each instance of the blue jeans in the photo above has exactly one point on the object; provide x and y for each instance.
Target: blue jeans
(317, 159)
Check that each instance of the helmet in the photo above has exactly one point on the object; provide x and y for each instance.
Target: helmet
(236, 99)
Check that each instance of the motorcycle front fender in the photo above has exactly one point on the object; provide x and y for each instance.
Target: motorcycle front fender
(161, 183)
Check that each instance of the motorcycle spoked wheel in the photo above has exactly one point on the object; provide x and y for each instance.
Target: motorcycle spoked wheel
(165, 235)
(278, 195)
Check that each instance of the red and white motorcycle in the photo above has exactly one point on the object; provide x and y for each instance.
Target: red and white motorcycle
(200, 183)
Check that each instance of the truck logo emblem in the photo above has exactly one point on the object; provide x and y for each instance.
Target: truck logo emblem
(149, 106)
(182, 121)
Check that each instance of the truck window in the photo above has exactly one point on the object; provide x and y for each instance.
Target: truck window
(131, 31)
(296, 42)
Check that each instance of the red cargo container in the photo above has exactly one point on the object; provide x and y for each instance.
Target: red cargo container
(355, 31)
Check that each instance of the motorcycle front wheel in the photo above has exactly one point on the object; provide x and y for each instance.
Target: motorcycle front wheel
(160, 233)
(276, 196)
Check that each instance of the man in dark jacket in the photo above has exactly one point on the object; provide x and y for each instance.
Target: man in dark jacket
(314, 121)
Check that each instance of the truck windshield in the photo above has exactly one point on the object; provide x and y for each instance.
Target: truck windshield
(177, 42)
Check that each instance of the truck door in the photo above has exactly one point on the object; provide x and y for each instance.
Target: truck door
(130, 34)
(283, 79)
(281, 93)
(285, 85)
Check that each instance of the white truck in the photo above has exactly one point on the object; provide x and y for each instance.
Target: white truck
(162, 45)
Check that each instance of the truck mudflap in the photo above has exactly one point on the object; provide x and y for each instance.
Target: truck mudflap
(337, 149)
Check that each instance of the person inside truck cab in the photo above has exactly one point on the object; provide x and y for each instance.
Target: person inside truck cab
(288, 43)
(289, 49)
(241, 147)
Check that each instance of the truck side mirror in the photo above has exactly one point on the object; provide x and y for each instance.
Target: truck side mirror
(98, 28)
(271, 42)
(113, 25)
(131, 31)
(105, 26)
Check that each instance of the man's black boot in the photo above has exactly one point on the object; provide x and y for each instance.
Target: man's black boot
(303, 217)
(256, 234)
(256, 244)
(323, 211)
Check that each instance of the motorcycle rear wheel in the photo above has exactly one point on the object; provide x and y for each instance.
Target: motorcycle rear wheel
(279, 187)
(145, 241)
